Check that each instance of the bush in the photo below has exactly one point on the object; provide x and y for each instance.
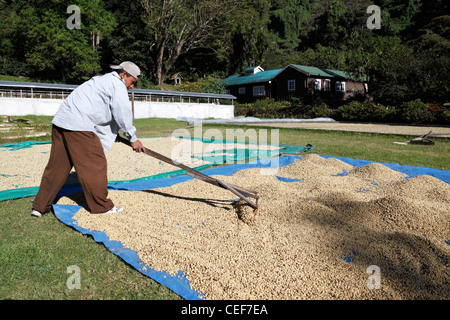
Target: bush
(208, 85)
(320, 111)
(269, 108)
(444, 114)
(361, 111)
(264, 108)
(412, 112)
(214, 86)
(14, 67)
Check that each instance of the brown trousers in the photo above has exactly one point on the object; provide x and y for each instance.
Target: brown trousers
(82, 150)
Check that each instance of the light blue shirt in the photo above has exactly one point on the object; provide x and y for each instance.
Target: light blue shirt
(100, 105)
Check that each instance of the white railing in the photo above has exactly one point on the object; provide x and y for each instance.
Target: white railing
(11, 89)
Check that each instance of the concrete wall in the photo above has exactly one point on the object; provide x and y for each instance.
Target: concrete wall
(171, 110)
(180, 110)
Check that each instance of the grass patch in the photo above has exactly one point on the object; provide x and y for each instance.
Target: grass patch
(35, 253)
(4, 77)
(146, 128)
(19, 131)
(157, 127)
(367, 146)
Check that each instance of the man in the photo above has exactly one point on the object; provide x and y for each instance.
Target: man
(84, 128)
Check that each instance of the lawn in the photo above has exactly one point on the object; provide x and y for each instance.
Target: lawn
(35, 254)
(367, 146)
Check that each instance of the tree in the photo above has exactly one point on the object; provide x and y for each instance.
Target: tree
(396, 16)
(11, 59)
(129, 40)
(52, 50)
(250, 39)
(287, 18)
(431, 47)
(178, 26)
(386, 64)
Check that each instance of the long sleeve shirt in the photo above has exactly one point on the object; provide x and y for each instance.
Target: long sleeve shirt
(100, 105)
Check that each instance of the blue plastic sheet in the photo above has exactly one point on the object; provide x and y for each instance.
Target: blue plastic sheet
(22, 145)
(178, 283)
(215, 158)
(411, 171)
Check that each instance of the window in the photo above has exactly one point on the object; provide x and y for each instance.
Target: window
(259, 91)
(317, 84)
(326, 85)
(340, 86)
(242, 90)
(291, 85)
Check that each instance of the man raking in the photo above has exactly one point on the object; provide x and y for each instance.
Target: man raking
(84, 128)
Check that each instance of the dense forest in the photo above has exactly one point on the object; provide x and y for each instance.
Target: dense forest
(406, 58)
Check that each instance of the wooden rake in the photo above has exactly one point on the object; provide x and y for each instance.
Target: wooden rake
(243, 193)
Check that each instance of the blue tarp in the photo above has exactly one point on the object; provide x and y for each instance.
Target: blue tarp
(411, 171)
(65, 214)
(178, 283)
(22, 145)
(234, 155)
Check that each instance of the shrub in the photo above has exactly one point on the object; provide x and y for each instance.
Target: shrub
(269, 108)
(190, 87)
(320, 111)
(214, 86)
(437, 113)
(413, 112)
(349, 111)
(208, 85)
(360, 111)
(264, 108)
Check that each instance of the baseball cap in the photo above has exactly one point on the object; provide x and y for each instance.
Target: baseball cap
(129, 67)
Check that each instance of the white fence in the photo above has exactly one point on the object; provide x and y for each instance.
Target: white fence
(20, 99)
(142, 109)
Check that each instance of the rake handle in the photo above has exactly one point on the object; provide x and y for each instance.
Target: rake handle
(242, 194)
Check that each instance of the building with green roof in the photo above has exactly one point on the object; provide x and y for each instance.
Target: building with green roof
(292, 81)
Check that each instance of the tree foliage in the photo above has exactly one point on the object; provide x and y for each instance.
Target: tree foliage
(179, 26)
(40, 39)
(405, 60)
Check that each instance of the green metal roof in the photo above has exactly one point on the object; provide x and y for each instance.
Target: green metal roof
(239, 79)
(266, 76)
(321, 72)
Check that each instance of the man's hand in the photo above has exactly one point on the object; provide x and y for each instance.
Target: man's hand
(137, 146)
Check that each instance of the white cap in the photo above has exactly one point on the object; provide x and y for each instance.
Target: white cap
(129, 67)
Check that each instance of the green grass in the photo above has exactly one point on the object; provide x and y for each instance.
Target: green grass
(376, 147)
(18, 132)
(146, 128)
(35, 253)
(4, 77)
(367, 146)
